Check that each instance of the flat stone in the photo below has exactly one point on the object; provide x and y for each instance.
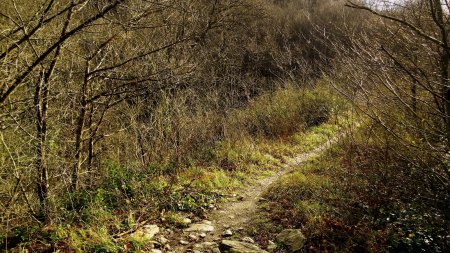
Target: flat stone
(206, 247)
(239, 247)
(248, 240)
(199, 227)
(292, 238)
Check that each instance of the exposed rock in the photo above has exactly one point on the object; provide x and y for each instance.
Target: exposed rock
(239, 247)
(202, 235)
(193, 237)
(147, 232)
(156, 251)
(183, 242)
(227, 233)
(292, 238)
(206, 247)
(199, 227)
(248, 240)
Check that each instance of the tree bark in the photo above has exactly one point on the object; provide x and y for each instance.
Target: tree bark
(79, 132)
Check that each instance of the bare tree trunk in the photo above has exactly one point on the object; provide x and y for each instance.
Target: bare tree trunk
(90, 145)
(79, 132)
(41, 169)
(41, 99)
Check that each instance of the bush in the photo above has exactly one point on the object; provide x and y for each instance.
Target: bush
(284, 112)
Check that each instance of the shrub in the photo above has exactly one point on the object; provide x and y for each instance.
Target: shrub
(284, 112)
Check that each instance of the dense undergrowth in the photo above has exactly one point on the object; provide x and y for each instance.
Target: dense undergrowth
(362, 196)
(258, 138)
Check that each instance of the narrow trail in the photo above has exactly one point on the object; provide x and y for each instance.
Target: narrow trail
(238, 213)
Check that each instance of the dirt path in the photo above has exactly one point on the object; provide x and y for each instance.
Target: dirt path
(238, 213)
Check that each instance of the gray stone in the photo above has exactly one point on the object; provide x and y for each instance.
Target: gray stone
(227, 232)
(292, 238)
(199, 228)
(239, 247)
(206, 247)
(248, 239)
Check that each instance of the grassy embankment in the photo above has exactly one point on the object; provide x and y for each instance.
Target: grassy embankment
(359, 197)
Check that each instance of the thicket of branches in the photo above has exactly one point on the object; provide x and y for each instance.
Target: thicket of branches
(397, 73)
(139, 83)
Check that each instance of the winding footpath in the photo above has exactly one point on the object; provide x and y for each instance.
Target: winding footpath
(224, 229)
